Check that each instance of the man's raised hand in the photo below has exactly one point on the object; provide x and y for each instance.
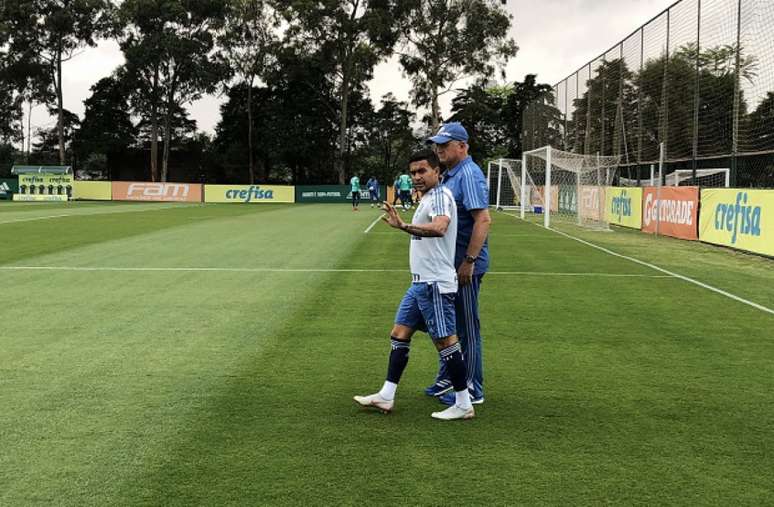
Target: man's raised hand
(391, 217)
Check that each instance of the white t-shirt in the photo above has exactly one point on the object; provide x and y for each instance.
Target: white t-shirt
(432, 259)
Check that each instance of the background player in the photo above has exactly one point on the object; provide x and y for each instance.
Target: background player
(355, 184)
(373, 190)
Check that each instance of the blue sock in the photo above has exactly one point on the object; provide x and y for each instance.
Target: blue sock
(455, 365)
(399, 356)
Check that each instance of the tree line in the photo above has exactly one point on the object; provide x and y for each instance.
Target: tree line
(293, 74)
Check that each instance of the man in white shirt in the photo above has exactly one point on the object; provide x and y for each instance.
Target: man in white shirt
(428, 304)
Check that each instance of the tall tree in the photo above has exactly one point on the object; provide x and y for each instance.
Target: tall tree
(107, 126)
(478, 108)
(392, 136)
(499, 118)
(445, 41)
(248, 42)
(168, 46)
(24, 78)
(63, 27)
(353, 35)
(602, 117)
(296, 128)
(515, 109)
(49, 140)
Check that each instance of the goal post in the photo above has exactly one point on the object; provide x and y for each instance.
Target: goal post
(504, 177)
(565, 187)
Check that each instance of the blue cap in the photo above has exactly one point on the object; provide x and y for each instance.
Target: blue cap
(450, 132)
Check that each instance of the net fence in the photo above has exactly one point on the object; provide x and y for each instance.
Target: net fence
(699, 78)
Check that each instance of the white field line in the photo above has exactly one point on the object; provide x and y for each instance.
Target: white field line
(372, 224)
(307, 270)
(33, 218)
(105, 212)
(662, 270)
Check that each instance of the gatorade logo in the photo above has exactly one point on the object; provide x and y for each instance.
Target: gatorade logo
(667, 211)
(622, 206)
(738, 218)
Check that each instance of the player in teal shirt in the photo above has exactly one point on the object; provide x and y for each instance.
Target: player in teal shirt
(405, 191)
(355, 182)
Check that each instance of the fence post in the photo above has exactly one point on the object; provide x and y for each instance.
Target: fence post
(696, 93)
(603, 130)
(664, 86)
(737, 86)
(587, 140)
(575, 146)
(639, 104)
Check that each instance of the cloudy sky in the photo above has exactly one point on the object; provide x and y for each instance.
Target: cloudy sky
(555, 38)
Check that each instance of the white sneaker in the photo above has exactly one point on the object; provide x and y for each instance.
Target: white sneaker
(375, 400)
(454, 412)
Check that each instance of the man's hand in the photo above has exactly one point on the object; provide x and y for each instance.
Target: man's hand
(465, 273)
(392, 218)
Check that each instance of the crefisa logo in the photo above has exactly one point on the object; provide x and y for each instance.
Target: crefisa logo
(622, 205)
(247, 195)
(738, 218)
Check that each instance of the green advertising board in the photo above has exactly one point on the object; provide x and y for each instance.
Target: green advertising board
(8, 187)
(333, 193)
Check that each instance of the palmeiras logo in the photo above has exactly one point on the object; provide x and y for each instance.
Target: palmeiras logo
(738, 218)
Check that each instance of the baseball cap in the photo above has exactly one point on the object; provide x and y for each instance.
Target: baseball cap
(453, 131)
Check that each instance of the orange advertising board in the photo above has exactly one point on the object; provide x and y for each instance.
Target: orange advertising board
(537, 197)
(592, 202)
(671, 211)
(148, 191)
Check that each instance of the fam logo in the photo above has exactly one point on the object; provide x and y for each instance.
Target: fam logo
(738, 218)
(252, 193)
(152, 190)
(622, 206)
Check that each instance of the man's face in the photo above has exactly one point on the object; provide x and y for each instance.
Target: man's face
(451, 153)
(423, 175)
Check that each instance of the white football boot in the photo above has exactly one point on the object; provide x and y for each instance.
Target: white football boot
(376, 401)
(454, 412)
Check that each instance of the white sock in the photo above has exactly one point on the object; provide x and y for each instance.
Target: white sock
(462, 399)
(388, 390)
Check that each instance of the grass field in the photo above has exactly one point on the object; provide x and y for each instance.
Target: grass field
(174, 355)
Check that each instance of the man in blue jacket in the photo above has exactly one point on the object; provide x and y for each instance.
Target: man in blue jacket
(468, 185)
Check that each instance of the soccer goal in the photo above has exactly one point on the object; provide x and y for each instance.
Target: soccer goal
(504, 176)
(566, 187)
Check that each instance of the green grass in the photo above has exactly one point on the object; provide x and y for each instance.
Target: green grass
(234, 387)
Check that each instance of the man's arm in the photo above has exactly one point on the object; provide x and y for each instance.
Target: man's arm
(481, 223)
(435, 229)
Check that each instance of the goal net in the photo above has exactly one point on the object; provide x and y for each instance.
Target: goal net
(707, 178)
(566, 187)
(504, 176)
